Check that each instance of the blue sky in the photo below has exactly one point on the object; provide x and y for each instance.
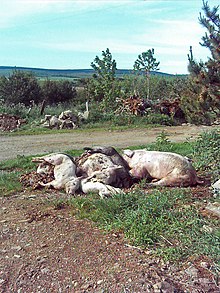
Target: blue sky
(65, 34)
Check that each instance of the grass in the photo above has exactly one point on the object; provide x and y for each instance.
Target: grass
(99, 126)
(166, 221)
(9, 183)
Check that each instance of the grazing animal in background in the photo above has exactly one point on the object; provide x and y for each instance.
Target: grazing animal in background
(166, 169)
(64, 171)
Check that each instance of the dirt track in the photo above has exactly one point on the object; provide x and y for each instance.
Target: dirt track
(12, 146)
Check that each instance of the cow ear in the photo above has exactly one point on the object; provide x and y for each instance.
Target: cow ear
(128, 153)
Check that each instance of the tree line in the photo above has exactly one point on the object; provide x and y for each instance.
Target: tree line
(198, 93)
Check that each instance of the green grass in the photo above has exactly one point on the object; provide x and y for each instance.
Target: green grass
(165, 221)
(9, 183)
(100, 126)
(10, 171)
(22, 163)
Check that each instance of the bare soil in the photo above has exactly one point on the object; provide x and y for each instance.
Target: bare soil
(45, 249)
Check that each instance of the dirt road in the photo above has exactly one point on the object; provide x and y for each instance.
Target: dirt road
(12, 146)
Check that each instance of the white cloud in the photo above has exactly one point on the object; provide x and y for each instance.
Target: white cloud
(172, 33)
(13, 12)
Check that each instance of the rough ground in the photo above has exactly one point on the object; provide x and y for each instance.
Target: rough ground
(44, 248)
(11, 146)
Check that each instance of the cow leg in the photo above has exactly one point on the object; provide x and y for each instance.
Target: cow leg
(55, 184)
(173, 181)
(104, 190)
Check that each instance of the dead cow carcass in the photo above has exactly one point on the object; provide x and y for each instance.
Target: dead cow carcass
(100, 174)
(91, 173)
(107, 165)
(64, 171)
(166, 169)
(103, 170)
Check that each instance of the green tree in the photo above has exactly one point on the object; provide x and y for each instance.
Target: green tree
(20, 87)
(207, 74)
(146, 62)
(103, 86)
(58, 91)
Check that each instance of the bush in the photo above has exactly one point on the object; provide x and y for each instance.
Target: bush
(58, 91)
(160, 119)
(206, 153)
(20, 87)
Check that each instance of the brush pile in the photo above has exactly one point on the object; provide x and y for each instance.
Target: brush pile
(10, 122)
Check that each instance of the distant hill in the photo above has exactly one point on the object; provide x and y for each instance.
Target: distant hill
(61, 73)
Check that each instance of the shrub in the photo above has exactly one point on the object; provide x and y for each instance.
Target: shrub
(58, 91)
(20, 87)
(206, 153)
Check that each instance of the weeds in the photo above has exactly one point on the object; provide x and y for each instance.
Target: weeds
(207, 153)
(9, 183)
(163, 144)
(21, 162)
(165, 221)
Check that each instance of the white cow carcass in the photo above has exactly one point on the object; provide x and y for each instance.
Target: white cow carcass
(97, 173)
(104, 190)
(64, 171)
(101, 168)
(165, 168)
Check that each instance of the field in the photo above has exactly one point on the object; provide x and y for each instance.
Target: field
(143, 241)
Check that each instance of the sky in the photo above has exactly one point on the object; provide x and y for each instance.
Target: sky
(69, 34)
